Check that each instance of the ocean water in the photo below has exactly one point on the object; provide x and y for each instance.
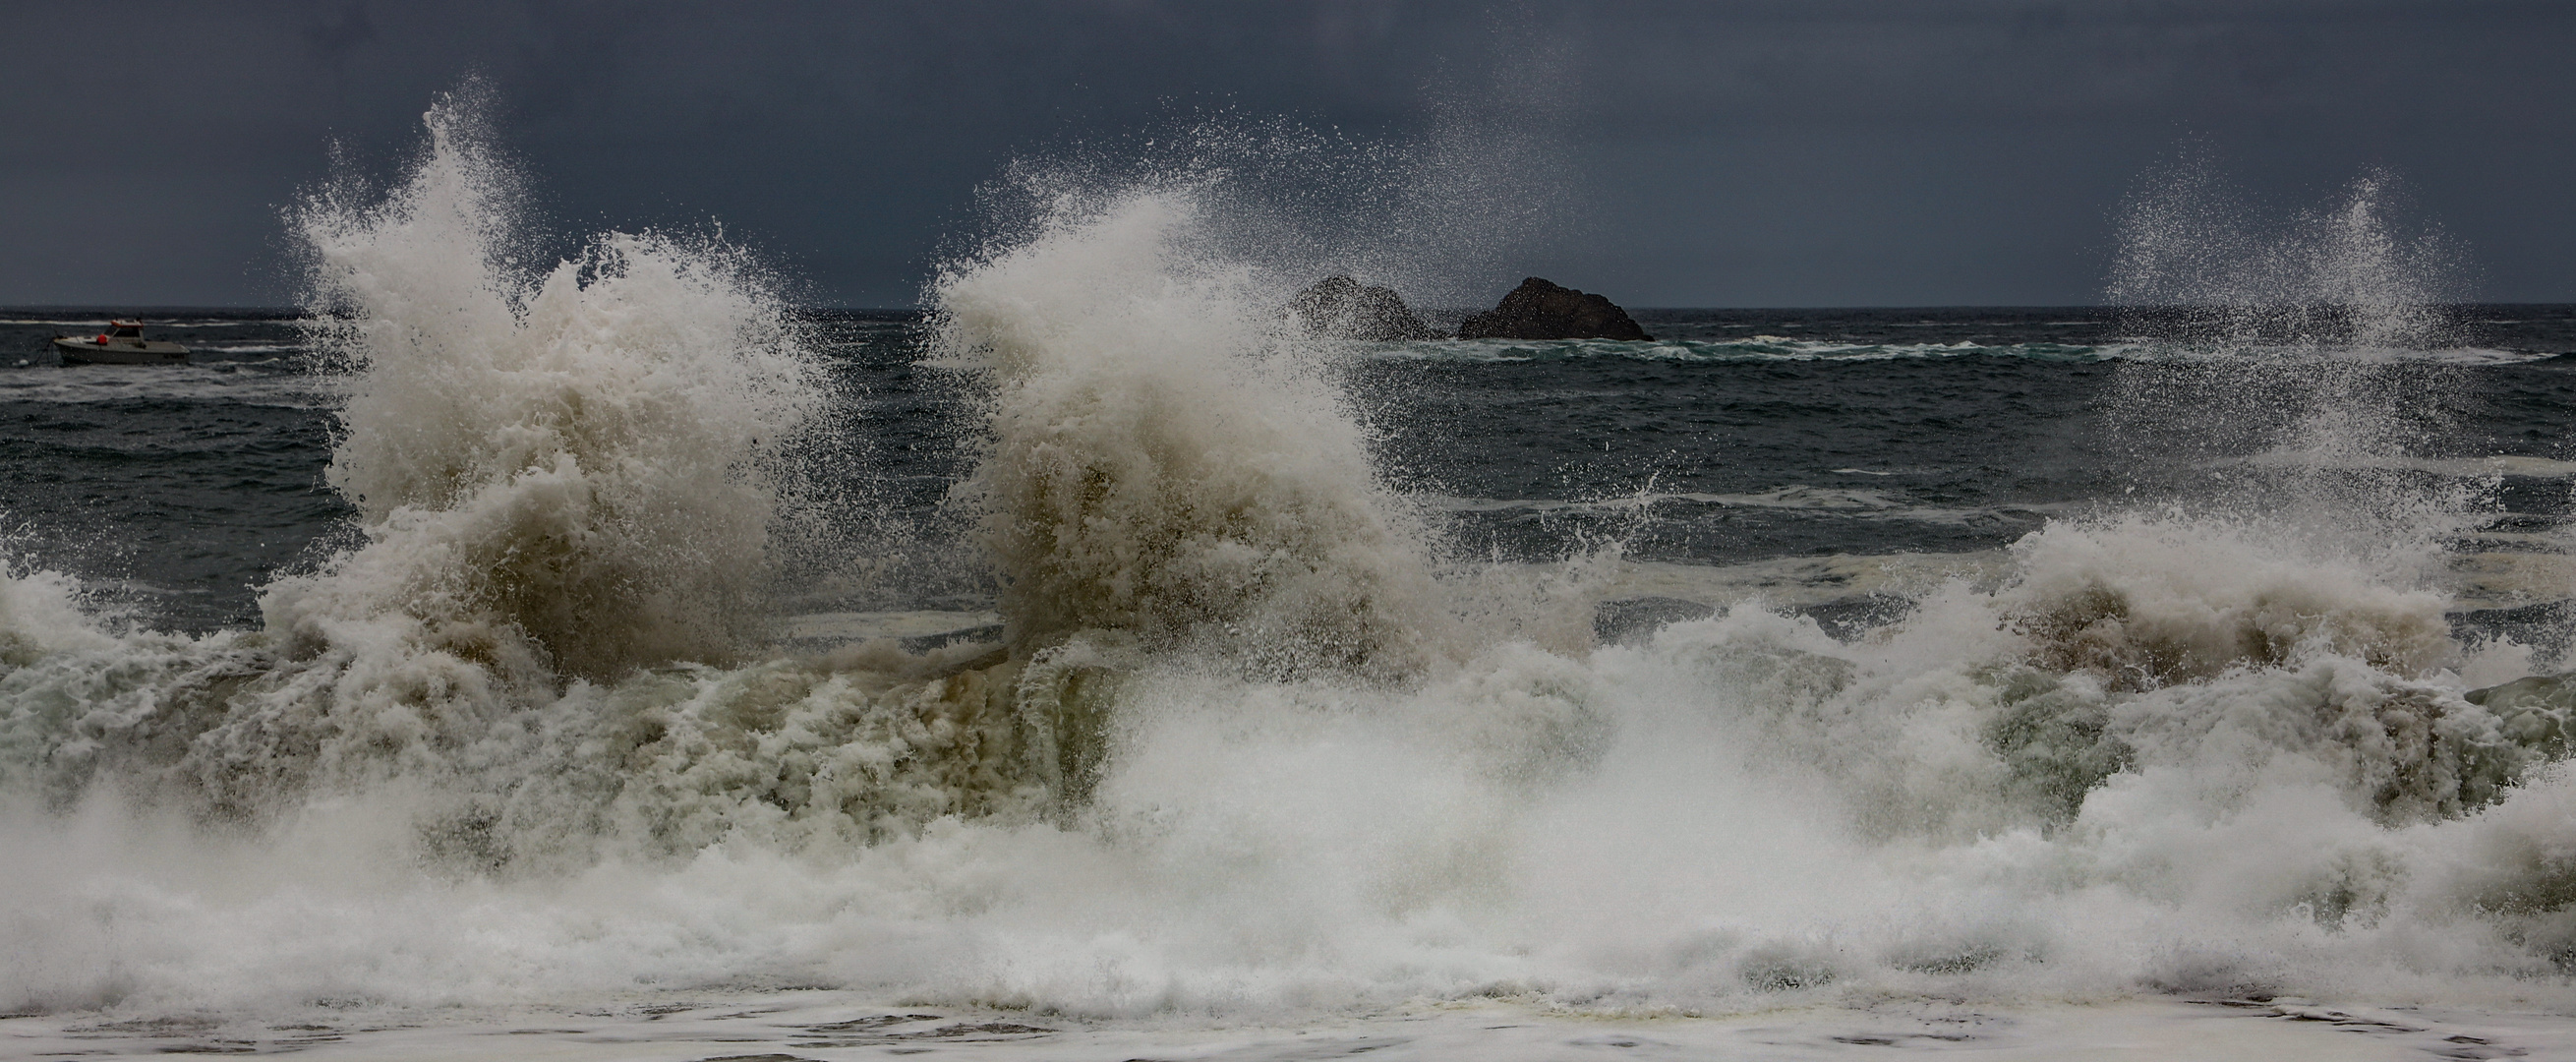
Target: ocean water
(611, 658)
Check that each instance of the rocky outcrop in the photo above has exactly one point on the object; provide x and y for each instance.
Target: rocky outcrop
(1539, 309)
(1340, 308)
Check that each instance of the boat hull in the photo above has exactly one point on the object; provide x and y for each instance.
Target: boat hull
(119, 352)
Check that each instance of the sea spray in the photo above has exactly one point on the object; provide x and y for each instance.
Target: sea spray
(2287, 338)
(574, 457)
(1237, 756)
(561, 477)
(42, 612)
(558, 476)
(1159, 470)
(1445, 217)
(2144, 601)
(2140, 690)
(2196, 262)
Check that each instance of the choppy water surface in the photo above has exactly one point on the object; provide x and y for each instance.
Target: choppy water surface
(615, 660)
(181, 492)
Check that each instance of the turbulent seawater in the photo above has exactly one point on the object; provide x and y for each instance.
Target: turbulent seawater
(609, 658)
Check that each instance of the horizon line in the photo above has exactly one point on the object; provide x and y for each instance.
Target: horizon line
(139, 309)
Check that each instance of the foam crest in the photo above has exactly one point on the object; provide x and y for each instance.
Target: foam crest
(2144, 601)
(2221, 651)
(1239, 754)
(1160, 466)
(1739, 813)
(2306, 370)
(562, 476)
(41, 613)
(573, 456)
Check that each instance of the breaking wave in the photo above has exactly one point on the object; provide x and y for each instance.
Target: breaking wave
(1158, 469)
(1250, 740)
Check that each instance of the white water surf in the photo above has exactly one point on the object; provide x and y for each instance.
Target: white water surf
(1255, 758)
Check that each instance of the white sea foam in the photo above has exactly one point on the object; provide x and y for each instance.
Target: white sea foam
(41, 615)
(1157, 469)
(1741, 812)
(1251, 749)
(559, 474)
(571, 457)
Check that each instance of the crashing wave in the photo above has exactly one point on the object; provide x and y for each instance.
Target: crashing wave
(1155, 468)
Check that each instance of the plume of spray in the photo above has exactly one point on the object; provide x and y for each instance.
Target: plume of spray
(1490, 183)
(2288, 358)
(1164, 460)
(564, 466)
(1158, 468)
(2239, 772)
(563, 475)
(1447, 209)
(560, 473)
(2309, 563)
(2196, 263)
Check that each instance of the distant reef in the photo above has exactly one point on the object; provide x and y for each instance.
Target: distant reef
(1340, 308)
(1343, 308)
(1541, 309)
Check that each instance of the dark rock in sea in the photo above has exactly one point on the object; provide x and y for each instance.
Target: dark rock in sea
(1631, 621)
(1539, 309)
(1340, 308)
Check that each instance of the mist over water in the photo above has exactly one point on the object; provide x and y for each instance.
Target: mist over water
(1262, 732)
(2288, 351)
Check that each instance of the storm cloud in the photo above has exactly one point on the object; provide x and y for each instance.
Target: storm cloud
(1866, 152)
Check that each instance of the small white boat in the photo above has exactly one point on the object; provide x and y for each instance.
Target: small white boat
(121, 344)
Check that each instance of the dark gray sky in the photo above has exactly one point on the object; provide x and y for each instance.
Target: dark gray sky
(1834, 152)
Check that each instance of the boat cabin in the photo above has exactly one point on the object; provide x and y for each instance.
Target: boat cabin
(121, 344)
